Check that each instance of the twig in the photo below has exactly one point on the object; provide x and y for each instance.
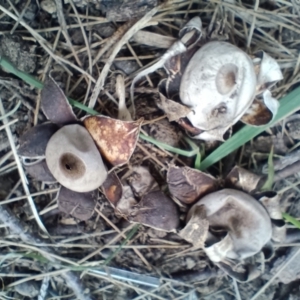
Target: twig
(101, 79)
(21, 171)
(18, 228)
(283, 266)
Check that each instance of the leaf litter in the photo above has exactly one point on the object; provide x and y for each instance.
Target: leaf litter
(184, 270)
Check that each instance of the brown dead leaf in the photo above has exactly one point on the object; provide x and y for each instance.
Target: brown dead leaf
(115, 139)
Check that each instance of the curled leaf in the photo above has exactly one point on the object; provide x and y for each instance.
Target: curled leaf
(115, 139)
(33, 142)
(55, 104)
(79, 205)
(188, 185)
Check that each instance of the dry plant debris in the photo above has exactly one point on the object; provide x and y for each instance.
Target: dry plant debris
(84, 45)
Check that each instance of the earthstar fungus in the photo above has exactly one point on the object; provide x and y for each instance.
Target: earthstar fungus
(73, 153)
(213, 84)
(231, 223)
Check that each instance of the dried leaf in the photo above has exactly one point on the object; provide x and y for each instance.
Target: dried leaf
(33, 142)
(188, 185)
(79, 205)
(55, 104)
(156, 210)
(112, 188)
(115, 139)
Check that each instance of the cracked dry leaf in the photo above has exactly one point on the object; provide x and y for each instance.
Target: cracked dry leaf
(115, 139)
(188, 185)
(79, 205)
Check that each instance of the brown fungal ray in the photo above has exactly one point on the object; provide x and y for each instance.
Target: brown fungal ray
(195, 231)
(175, 67)
(172, 109)
(126, 203)
(142, 182)
(40, 171)
(112, 188)
(271, 201)
(257, 114)
(156, 210)
(78, 205)
(188, 185)
(191, 32)
(115, 139)
(242, 179)
(191, 130)
(33, 142)
(55, 104)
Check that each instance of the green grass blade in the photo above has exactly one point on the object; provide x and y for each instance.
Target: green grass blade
(292, 220)
(187, 153)
(269, 182)
(9, 67)
(288, 105)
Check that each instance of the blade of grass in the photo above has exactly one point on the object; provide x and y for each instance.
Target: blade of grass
(187, 153)
(9, 67)
(292, 220)
(288, 105)
(269, 182)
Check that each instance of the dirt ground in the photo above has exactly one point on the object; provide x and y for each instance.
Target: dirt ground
(76, 39)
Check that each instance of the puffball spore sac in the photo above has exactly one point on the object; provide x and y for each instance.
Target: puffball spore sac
(74, 160)
(218, 85)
